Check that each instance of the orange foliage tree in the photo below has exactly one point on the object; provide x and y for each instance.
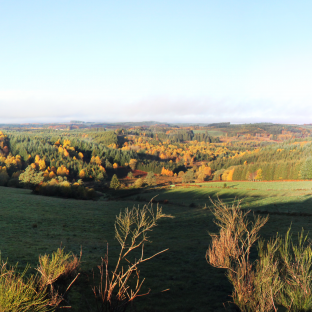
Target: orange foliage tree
(166, 172)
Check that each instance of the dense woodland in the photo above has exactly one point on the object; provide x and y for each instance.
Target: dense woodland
(80, 160)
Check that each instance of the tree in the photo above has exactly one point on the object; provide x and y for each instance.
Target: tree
(150, 179)
(4, 177)
(259, 175)
(31, 177)
(108, 164)
(62, 171)
(132, 164)
(188, 176)
(82, 173)
(306, 169)
(201, 176)
(181, 174)
(138, 183)
(166, 172)
(115, 184)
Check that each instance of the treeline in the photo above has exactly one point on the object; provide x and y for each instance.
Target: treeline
(281, 170)
(268, 171)
(290, 151)
(176, 136)
(156, 166)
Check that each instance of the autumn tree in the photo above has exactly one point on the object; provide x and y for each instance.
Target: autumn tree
(259, 175)
(166, 172)
(62, 171)
(132, 164)
(31, 177)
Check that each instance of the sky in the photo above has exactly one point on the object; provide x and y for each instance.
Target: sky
(166, 60)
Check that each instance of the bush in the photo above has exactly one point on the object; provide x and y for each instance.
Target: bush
(282, 273)
(256, 284)
(65, 189)
(18, 293)
(138, 183)
(296, 261)
(60, 266)
(4, 178)
(14, 182)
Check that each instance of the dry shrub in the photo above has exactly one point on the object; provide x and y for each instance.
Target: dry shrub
(256, 284)
(57, 268)
(118, 288)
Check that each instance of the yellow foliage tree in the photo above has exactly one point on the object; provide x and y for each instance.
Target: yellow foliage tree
(42, 165)
(259, 175)
(37, 159)
(66, 143)
(62, 171)
(52, 175)
(230, 175)
(207, 171)
(82, 173)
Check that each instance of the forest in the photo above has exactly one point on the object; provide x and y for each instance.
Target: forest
(84, 161)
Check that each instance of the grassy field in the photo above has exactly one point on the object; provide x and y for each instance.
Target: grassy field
(33, 225)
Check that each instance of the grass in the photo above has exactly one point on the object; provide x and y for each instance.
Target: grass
(33, 225)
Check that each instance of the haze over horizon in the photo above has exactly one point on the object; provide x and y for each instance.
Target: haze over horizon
(173, 61)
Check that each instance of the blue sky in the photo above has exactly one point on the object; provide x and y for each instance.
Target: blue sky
(179, 61)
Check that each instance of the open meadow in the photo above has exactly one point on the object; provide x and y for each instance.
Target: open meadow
(33, 225)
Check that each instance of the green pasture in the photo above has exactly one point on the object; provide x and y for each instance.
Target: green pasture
(284, 197)
(33, 225)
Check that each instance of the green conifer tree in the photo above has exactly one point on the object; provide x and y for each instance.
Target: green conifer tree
(115, 184)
